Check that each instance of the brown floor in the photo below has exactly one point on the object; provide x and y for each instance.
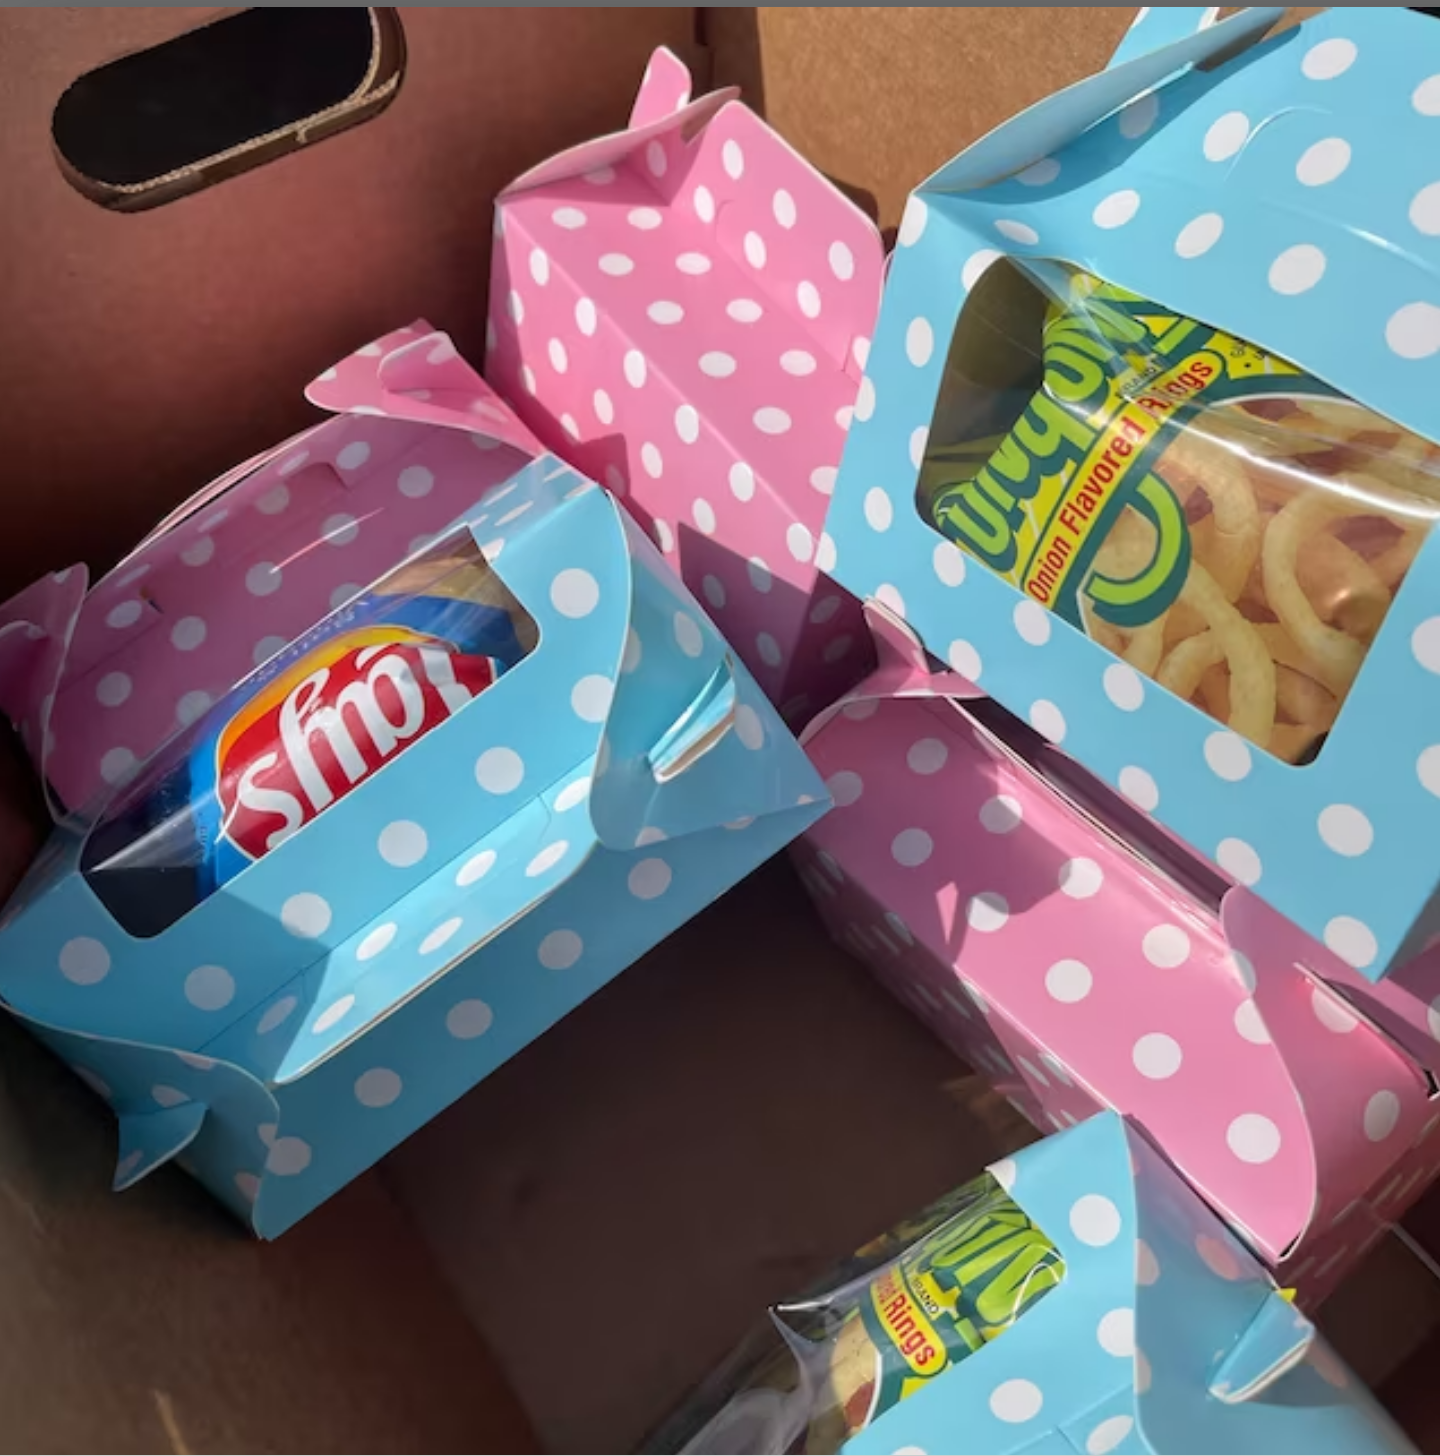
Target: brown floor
(728, 1118)
(717, 1127)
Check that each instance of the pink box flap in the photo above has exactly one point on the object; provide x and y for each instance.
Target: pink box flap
(257, 557)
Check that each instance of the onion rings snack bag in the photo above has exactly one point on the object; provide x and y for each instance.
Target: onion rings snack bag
(302, 731)
(906, 1308)
(1219, 519)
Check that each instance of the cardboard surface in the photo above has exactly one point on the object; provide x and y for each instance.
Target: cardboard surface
(150, 1322)
(878, 98)
(711, 1132)
(184, 330)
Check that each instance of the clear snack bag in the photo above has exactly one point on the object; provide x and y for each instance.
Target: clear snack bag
(1224, 522)
(903, 1310)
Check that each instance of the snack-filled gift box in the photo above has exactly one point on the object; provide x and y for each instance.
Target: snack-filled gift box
(683, 309)
(376, 759)
(1080, 958)
(1144, 448)
(1077, 1297)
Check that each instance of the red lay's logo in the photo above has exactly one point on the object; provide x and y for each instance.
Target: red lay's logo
(333, 718)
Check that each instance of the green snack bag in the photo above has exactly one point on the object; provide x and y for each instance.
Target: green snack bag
(901, 1312)
(1219, 519)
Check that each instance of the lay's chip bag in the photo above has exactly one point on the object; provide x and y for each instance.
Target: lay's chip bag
(302, 731)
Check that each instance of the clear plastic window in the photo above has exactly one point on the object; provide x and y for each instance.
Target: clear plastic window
(304, 729)
(901, 1312)
(1219, 519)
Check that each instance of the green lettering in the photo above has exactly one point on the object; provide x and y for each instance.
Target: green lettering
(967, 515)
(1072, 377)
(1003, 498)
(969, 1236)
(1047, 427)
(1034, 1269)
(1142, 598)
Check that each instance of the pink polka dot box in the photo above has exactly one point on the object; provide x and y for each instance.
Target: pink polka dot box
(378, 757)
(994, 888)
(683, 310)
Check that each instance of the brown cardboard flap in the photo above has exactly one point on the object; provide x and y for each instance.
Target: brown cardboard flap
(878, 98)
(146, 352)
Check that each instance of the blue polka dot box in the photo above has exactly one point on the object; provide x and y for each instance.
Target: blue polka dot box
(534, 754)
(1145, 447)
(1160, 1333)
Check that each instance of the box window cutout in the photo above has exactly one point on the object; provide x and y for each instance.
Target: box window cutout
(902, 1311)
(337, 705)
(219, 100)
(1225, 523)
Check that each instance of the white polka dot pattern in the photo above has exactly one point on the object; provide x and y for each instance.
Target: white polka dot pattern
(700, 326)
(332, 1013)
(1103, 975)
(1194, 195)
(1094, 1186)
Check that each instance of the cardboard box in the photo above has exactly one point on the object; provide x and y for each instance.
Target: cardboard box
(366, 843)
(268, 276)
(150, 1321)
(1147, 214)
(1084, 963)
(683, 309)
(947, 77)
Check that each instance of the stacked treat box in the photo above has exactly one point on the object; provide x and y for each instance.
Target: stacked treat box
(1178, 605)
(1111, 640)
(684, 310)
(295, 876)
(1197, 561)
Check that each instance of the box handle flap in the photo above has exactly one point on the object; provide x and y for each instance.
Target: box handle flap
(664, 89)
(684, 746)
(1157, 26)
(417, 374)
(904, 670)
(36, 627)
(709, 717)
(649, 126)
(1356, 1120)
(160, 1096)
(1274, 1343)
